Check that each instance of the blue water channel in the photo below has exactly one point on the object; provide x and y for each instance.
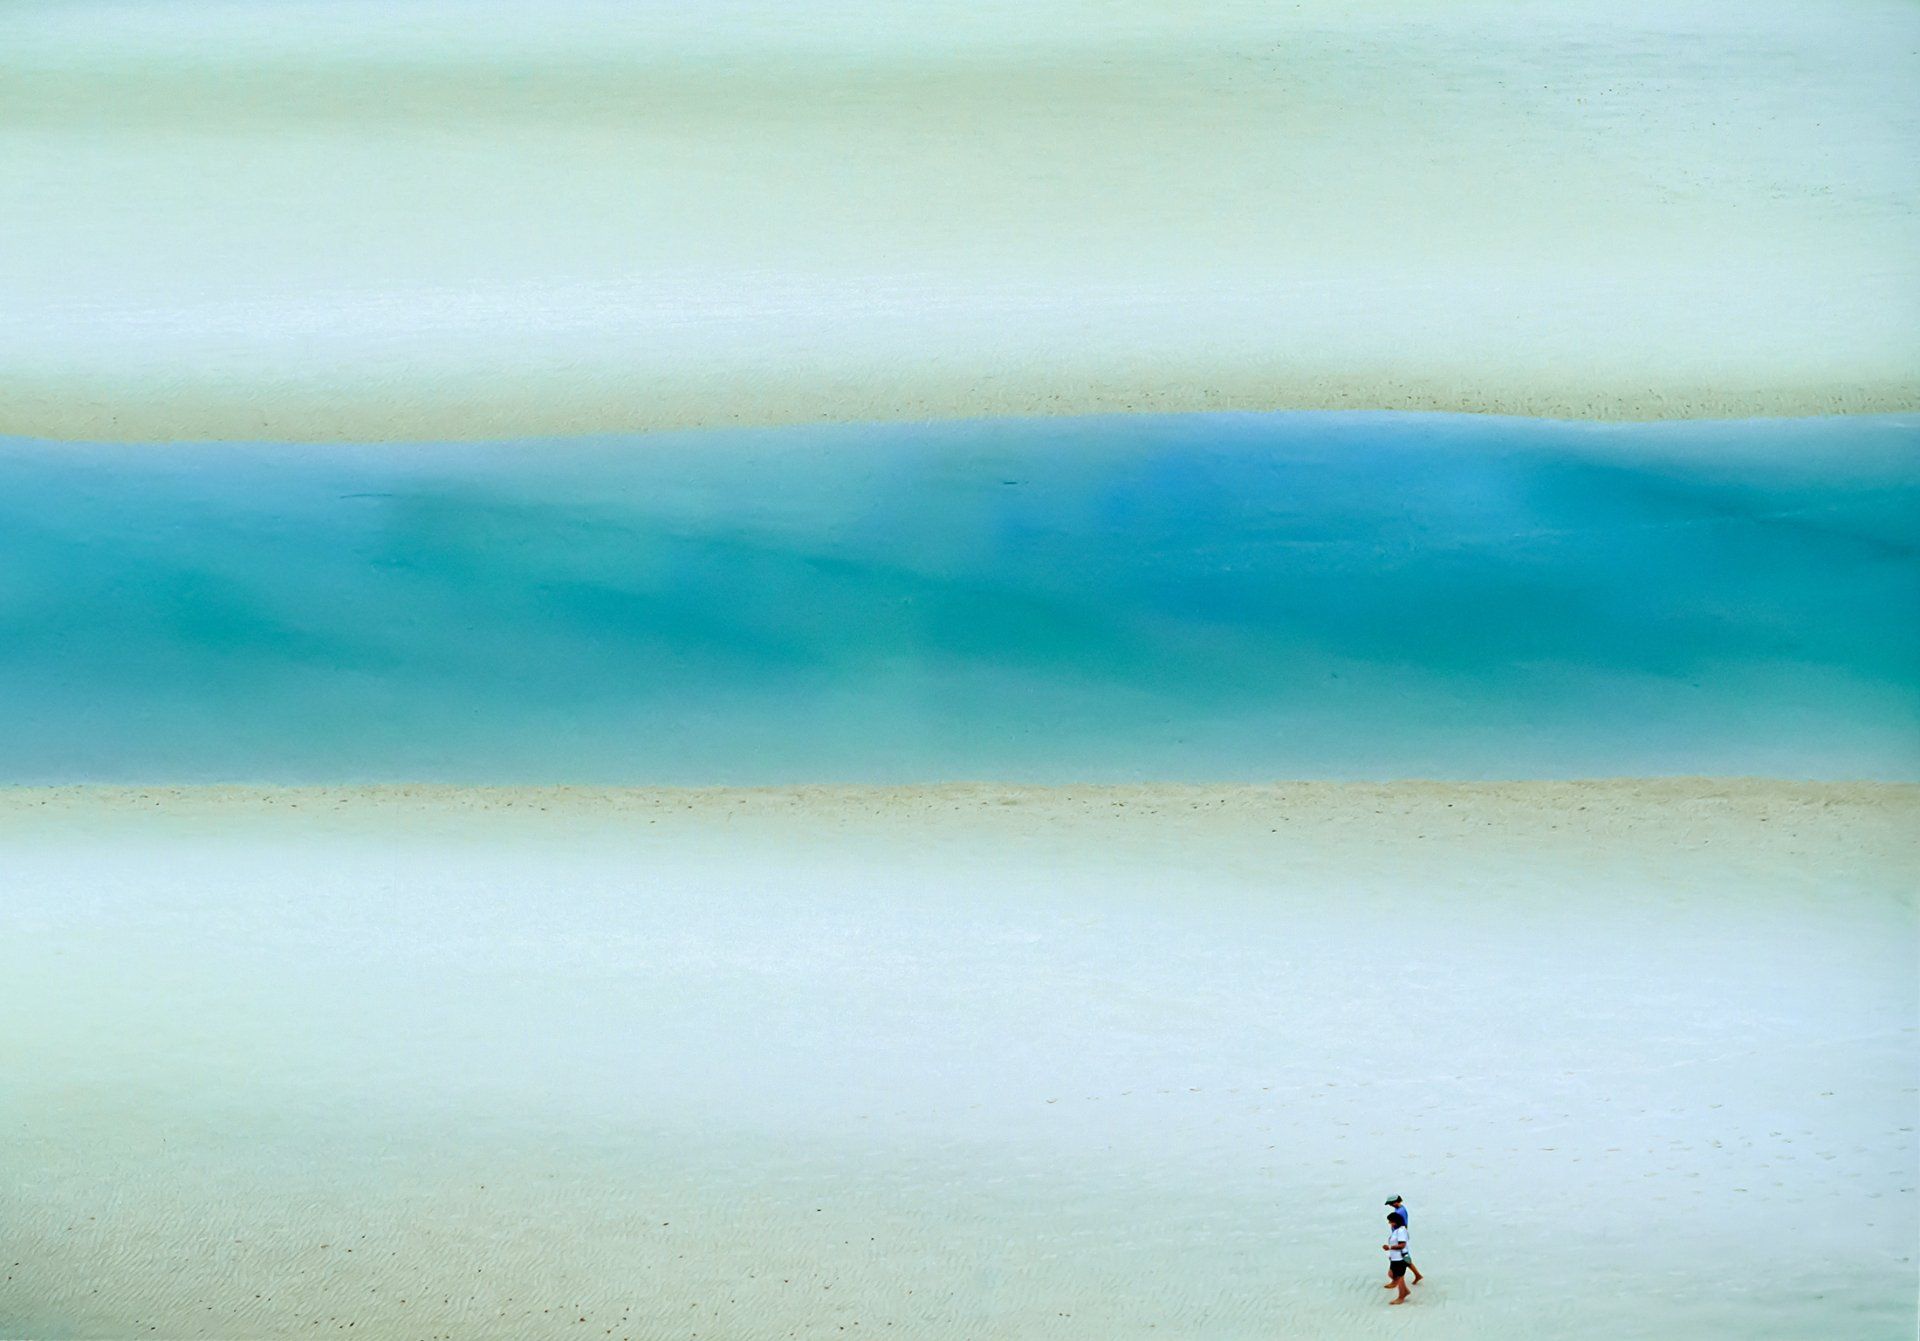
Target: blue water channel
(1203, 597)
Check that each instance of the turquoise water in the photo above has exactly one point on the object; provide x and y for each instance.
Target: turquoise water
(1191, 597)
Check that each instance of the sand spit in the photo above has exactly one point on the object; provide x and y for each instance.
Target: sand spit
(959, 1061)
(408, 805)
(439, 220)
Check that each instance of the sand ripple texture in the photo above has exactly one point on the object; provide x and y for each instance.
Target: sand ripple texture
(959, 1062)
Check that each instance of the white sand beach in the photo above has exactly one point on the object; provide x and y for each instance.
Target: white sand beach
(430, 219)
(960, 1062)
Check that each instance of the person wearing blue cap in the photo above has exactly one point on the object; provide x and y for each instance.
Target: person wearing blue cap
(1397, 1207)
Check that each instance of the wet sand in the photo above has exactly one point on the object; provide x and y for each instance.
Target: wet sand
(960, 1061)
(436, 220)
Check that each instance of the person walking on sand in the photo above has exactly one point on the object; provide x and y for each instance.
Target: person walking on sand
(1396, 1250)
(1406, 1220)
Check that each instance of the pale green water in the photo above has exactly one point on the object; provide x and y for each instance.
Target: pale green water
(1198, 597)
(310, 219)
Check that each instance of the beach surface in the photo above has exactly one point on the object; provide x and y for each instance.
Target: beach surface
(960, 1061)
(430, 219)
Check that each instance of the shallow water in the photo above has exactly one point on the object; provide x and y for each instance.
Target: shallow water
(318, 219)
(1185, 597)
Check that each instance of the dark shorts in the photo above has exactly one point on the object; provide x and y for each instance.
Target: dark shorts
(1396, 1269)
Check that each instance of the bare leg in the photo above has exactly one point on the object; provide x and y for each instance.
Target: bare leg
(1401, 1298)
(1414, 1271)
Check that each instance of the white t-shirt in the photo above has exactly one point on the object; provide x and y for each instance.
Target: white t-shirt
(1398, 1238)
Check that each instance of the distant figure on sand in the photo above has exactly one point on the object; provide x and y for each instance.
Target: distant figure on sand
(1406, 1220)
(1396, 1249)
